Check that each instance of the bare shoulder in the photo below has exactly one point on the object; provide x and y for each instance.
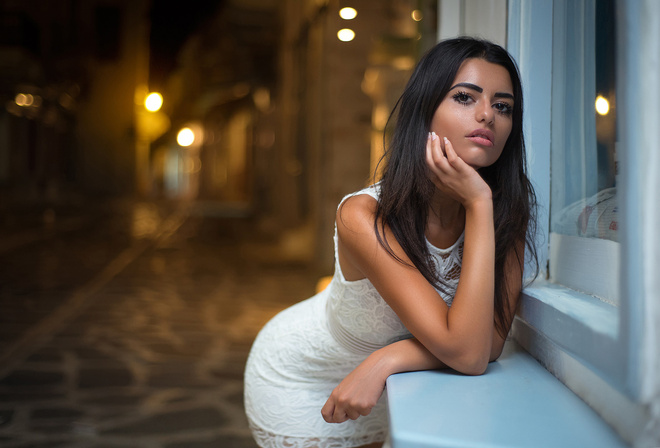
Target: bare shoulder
(357, 243)
(355, 216)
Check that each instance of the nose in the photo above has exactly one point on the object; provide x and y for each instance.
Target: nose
(485, 113)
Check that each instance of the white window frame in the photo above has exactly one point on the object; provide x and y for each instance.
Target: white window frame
(606, 354)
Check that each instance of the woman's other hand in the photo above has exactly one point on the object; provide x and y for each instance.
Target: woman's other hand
(358, 393)
(452, 175)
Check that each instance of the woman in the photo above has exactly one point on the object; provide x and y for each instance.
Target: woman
(428, 262)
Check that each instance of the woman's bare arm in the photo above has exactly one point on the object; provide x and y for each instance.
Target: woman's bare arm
(461, 337)
(358, 393)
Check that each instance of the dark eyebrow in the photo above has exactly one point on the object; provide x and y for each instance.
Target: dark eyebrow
(469, 86)
(480, 90)
(503, 95)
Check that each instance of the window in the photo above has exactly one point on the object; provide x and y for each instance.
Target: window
(584, 248)
(594, 325)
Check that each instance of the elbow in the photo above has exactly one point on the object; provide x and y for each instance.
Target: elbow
(468, 359)
(473, 364)
(475, 369)
(495, 354)
(496, 350)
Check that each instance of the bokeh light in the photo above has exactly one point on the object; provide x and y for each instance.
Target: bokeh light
(346, 35)
(153, 101)
(347, 13)
(185, 137)
(24, 100)
(602, 105)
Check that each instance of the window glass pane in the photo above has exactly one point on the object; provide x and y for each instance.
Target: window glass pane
(583, 180)
(584, 222)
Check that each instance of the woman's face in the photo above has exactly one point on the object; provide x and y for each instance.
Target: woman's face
(476, 114)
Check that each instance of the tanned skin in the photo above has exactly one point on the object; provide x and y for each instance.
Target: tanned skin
(463, 337)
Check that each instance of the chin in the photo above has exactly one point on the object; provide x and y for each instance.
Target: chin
(478, 162)
(477, 158)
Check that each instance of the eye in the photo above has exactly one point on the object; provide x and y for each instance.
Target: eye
(503, 108)
(462, 98)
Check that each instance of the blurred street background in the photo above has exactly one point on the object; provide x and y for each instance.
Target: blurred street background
(169, 175)
(129, 326)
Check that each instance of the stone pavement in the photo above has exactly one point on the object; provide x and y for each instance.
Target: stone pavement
(131, 329)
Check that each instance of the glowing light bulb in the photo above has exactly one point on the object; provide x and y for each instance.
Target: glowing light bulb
(346, 35)
(347, 13)
(602, 105)
(417, 15)
(185, 137)
(21, 99)
(153, 101)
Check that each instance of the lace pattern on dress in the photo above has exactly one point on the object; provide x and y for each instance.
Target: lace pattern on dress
(267, 439)
(348, 340)
(447, 264)
(307, 349)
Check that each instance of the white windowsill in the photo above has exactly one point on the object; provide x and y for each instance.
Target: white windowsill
(589, 311)
(576, 337)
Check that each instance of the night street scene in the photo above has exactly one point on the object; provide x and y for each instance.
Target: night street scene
(169, 177)
(176, 270)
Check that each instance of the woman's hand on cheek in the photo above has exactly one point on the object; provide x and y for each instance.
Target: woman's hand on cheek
(452, 175)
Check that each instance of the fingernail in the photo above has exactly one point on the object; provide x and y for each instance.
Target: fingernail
(433, 136)
(430, 135)
(445, 139)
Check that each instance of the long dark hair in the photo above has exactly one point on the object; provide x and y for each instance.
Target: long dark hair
(406, 188)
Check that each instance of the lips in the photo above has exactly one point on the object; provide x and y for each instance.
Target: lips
(482, 137)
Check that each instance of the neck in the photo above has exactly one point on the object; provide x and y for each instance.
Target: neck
(447, 212)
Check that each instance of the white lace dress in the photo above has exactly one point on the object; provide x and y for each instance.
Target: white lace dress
(305, 351)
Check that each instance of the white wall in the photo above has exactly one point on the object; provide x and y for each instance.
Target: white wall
(478, 18)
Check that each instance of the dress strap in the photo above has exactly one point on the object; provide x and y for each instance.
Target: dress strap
(371, 190)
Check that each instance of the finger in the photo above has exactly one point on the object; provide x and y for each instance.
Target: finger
(440, 156)
(449, 150)
(327, 411)
(339, 416)
(442, 145)
(429, 151)
(430, 157)
(452, 157)
(352, 414)
(436, 155)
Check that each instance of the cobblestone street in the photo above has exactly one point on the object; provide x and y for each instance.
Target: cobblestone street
(129, 326)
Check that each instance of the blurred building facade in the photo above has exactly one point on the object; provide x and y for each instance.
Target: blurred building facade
(335, 97)
(69, 71)
(289, 118)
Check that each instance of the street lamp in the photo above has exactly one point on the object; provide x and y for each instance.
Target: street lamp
(602, 105)
(347, 13)
(346, 35)
(153, 102)
(185, 137)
